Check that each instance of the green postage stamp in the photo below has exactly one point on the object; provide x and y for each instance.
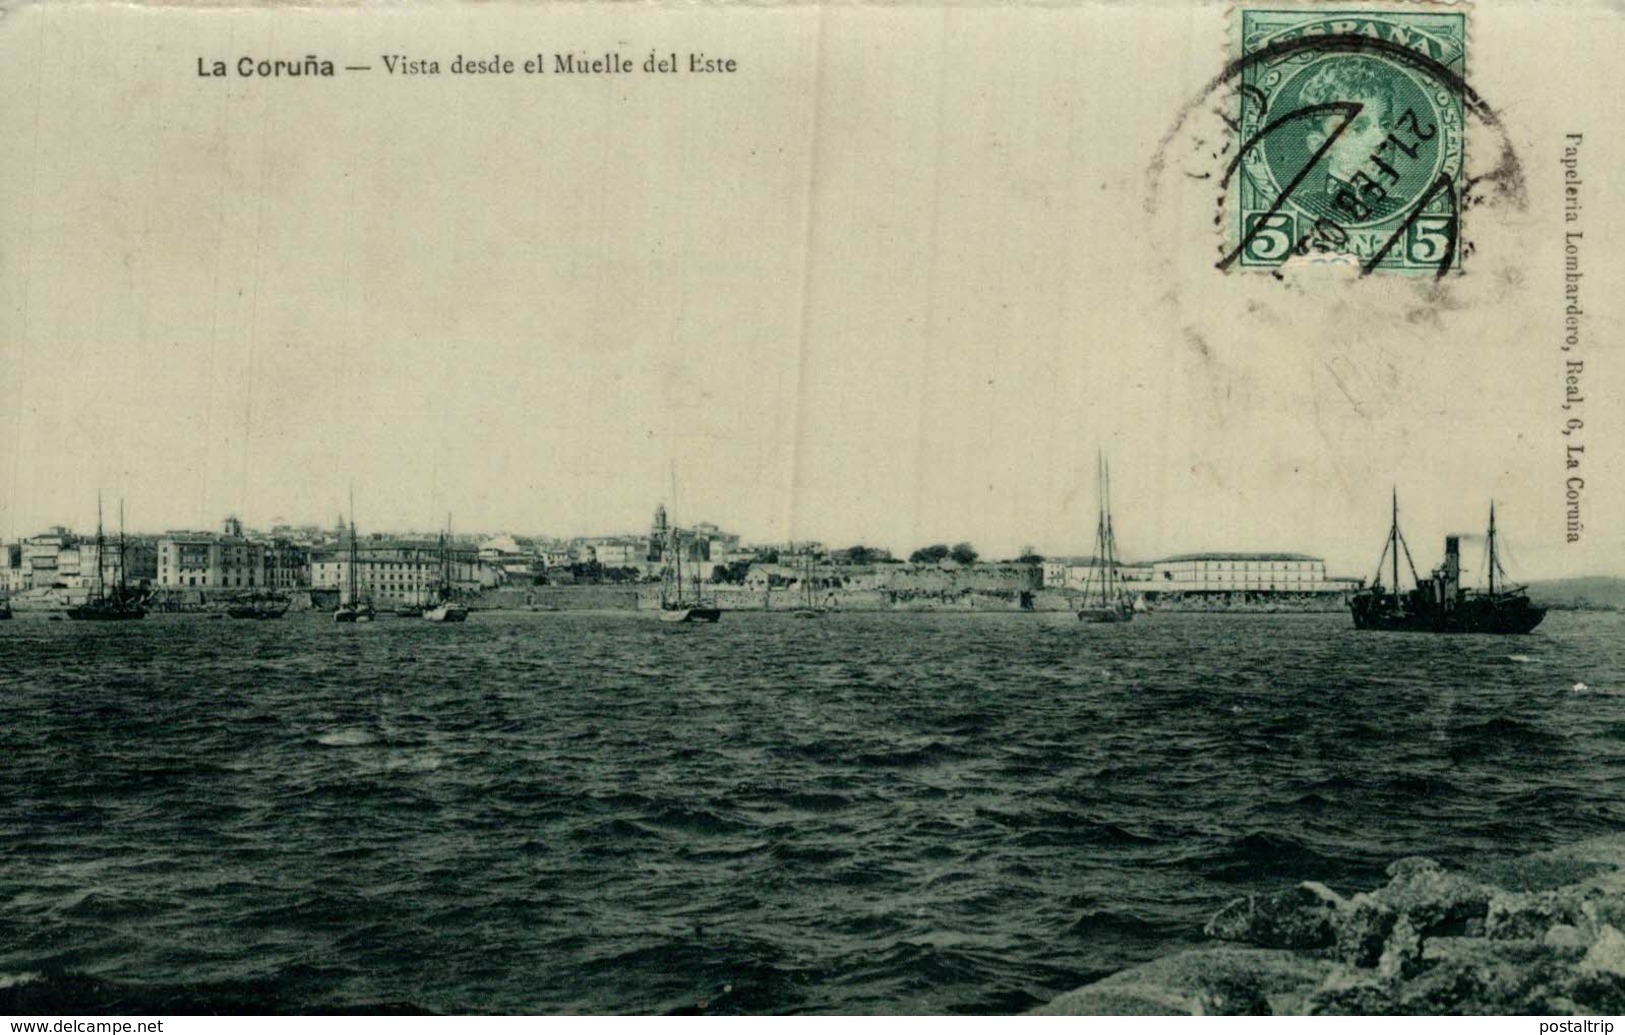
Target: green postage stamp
(1349, 137)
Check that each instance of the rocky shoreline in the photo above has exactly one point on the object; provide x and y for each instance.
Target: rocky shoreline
(1536, 935)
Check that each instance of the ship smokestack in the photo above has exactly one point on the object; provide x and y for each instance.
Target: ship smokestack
(1452, 570)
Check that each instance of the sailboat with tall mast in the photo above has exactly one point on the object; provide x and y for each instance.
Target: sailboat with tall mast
(445, 609)
(1104, 598)
(676, 605)
(117, 604)
(809, 597)
(351, 607)
(1440, 603)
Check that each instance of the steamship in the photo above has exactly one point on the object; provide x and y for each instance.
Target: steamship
(1440, 603)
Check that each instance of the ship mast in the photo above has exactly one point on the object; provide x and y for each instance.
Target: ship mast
(1101, 558)
(1394, 544)
(1111, 541)
(121, 549)
(1493, 561)
(101, 551)
(675, 565)
(445, 560)
(1394, 541)
(351, 578)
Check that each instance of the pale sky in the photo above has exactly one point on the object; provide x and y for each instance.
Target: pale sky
(896, 282)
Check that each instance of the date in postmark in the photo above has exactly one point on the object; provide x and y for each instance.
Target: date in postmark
(1349, 140)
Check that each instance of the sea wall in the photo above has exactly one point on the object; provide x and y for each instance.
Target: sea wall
(934, 597)
(1537, 935)
(740, 598)
(1252, 602)
(746, 598)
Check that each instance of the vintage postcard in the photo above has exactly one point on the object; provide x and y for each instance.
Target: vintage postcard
(812, 508)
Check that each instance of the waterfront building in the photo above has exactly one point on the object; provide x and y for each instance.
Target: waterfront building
(140, 560)
(58, 559)
(1074, 573)
(1247, 574)
(1055, 571)
(205, 560)
(287, 565)
(945, 579)
(50, 559)
(393, 572)
(621, 553)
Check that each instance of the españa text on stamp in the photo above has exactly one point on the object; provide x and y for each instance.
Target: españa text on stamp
(1350, 139)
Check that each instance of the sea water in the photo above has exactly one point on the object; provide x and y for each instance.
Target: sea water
(864, 812)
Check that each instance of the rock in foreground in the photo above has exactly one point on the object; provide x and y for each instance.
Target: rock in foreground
(1541, 935)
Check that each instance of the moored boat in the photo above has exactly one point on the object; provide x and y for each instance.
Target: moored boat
(809, 599)
(108, 610)
(445, 609)
(690, 614)
(352, 608)
(446, 612)
(675, 606)
(1105, 600)
(1105, 615)
(118, 603)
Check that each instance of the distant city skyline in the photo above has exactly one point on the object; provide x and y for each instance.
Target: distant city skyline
(836, 320)
(1422, 559)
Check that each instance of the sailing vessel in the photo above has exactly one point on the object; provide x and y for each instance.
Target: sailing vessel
(809, 604)
(351, 607)
(445, 610)
(1440, 603)
(1104, 598)
(116, 604)
(675, 606)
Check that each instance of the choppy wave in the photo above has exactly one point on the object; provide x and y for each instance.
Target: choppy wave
(347, 738)
(579, 813)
